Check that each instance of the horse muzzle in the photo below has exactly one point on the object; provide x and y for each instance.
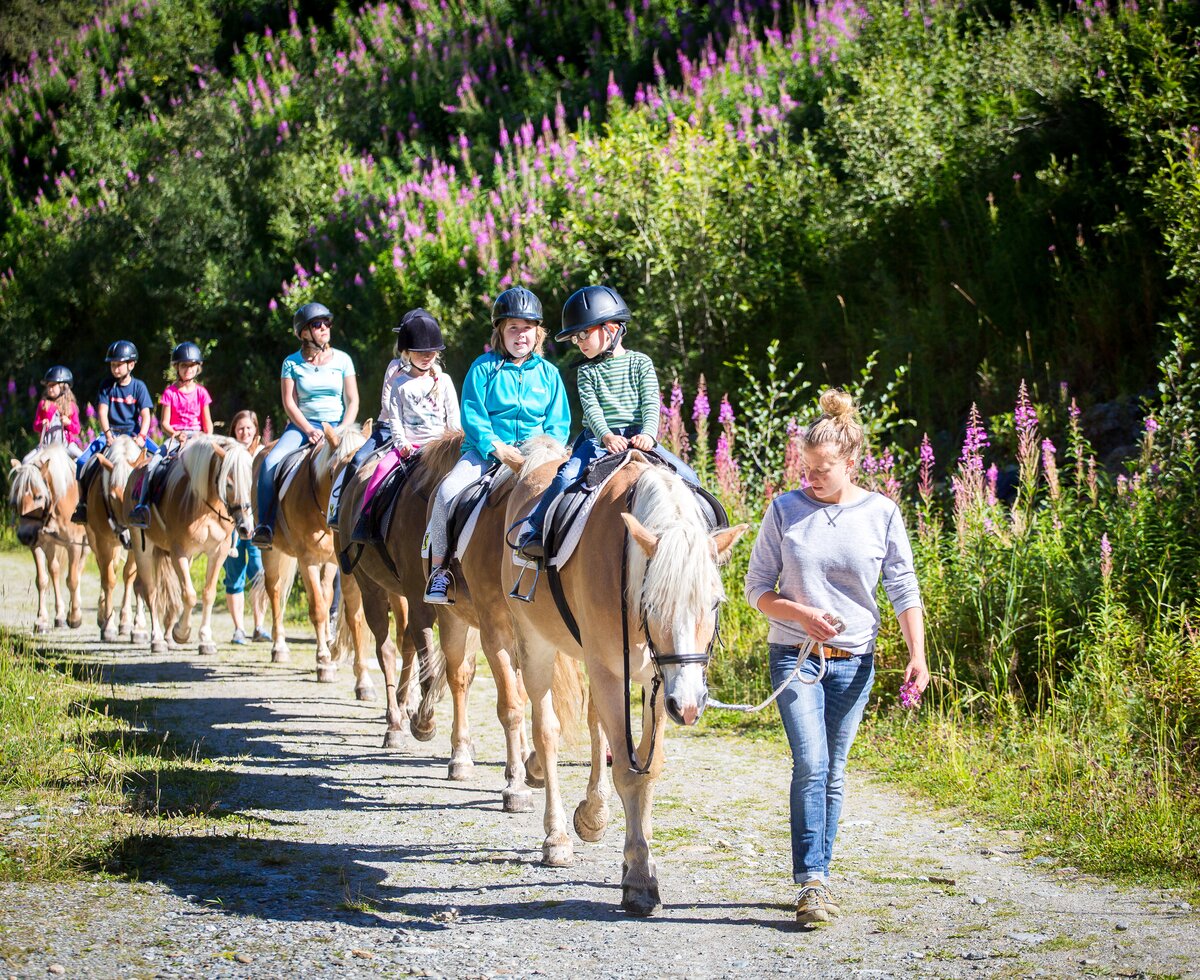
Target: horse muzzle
(685, 686)
(27, 534)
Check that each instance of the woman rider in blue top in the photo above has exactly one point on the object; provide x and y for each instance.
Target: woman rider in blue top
(318, 385)
(510, 394)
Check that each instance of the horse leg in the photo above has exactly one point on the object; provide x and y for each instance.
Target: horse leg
(182, 630)
(352, 628)
(591, 816)
(277, 569)
(375, 611)
(510, 709)
(42, 623)
(56, 583)
(207, 645)
(639, 881)
(318, 615)
(74, 573)
(106, 563)
(431, 670)
(538, 666)
(145, 584)
(459, 666)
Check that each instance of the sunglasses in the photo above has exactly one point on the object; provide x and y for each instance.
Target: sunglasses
(577, 338)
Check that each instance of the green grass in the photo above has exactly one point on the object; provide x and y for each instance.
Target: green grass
(1069, 790)
(79, 779)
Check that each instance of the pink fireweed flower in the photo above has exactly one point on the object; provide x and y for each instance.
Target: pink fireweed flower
(1026, 421)
(925, 480)
(725, 412)
(993, 475)
(90, 411)
(1106, 564)
(728, 477)
(1050, 465)
(910, 697)
(700, 407)
(1151, 425)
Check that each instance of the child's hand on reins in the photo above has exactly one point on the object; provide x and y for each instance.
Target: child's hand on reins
(615, 443)
(642, 441)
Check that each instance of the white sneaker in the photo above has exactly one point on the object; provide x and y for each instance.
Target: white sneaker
(436, 592)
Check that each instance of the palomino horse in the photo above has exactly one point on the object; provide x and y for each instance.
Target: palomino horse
(42, 494)
(666, 561)
(302, 538)
(205, 497)
(106, 491)
(397, 582)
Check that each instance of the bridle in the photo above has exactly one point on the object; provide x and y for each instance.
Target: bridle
(658, 660)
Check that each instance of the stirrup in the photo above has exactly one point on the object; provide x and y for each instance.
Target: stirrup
(525, 564)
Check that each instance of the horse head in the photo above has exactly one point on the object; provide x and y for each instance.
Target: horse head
(36, 485)
(675, 586)
(230, 477)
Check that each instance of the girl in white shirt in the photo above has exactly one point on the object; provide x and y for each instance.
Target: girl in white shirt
(418, 402)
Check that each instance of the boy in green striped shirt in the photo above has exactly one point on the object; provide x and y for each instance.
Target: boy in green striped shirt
(618, 390)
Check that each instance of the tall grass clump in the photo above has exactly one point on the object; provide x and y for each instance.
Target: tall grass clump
(80, 774)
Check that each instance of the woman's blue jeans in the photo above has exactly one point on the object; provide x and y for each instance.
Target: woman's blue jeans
(821, 721)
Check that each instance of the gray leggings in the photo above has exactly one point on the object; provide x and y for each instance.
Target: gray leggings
(466, 471)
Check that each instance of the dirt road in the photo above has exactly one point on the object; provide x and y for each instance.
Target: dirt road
(359, 861)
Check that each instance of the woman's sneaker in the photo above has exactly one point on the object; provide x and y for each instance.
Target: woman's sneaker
(833, 903)
(437, 591)
(239, 637)
(261, 636)
(810, 904)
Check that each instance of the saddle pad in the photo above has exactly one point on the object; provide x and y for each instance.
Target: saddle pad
(287, 471)
(566, 547)
(467, 505)
(383, 504)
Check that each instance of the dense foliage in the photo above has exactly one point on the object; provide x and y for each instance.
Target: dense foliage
(985, 192)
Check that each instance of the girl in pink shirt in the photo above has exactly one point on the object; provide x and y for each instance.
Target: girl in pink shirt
(57, 416)
(185, 410)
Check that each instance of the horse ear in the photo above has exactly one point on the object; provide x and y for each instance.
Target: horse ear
(367, 426)
(725, 539)
(14, 463)
(104, 461)
(637, 530)
(331, 435)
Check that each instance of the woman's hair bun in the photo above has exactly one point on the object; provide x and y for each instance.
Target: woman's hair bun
(837, 404)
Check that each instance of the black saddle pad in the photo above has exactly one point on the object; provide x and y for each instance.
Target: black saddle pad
(158, 479)
(289, 463)
(463, 504)
(383, 502)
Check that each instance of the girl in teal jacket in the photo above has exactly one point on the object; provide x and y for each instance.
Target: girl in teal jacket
(509, 395)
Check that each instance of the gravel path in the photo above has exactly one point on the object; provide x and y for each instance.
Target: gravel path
(359, 861)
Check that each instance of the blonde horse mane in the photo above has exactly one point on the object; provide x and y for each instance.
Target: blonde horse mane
(439, 456)
(539, 451)
(123, 453)
(235, 466)
(28, 477)
(350, 440)
(684, 572)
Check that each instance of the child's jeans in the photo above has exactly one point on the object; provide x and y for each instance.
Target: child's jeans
(587, 449)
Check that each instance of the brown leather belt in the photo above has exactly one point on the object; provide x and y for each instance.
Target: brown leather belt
(831, 653)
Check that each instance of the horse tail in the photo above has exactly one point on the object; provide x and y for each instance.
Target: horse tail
(287, 578)
(569, 693)
(167, 604)
(350, 620)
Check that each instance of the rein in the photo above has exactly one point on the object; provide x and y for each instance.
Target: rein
(805, 651)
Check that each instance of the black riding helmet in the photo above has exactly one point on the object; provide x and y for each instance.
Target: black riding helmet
(187, 353)
(518, 303)
(418, 331)
(121, 350)
(307, 313)
(589, 306)
(59, 375)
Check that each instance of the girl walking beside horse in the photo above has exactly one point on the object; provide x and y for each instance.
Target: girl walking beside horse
(818, 559)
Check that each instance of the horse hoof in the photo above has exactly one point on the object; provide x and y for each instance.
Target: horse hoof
(109, 636)
(533, 770)
(207, 649)
(40, 626)
(557, 851)
(519, 801)
(59, 623)
(280, 657)
(139, 637)
(460, 770)
(393, 738)
(181, 636)
(74, 622)
(640, 900)
(365, 692)
(422, 734)
(159, 646)
(593, 833)
(326, 673)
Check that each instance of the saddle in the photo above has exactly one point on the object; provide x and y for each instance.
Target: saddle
(377, 511)
(286, 472)
(157, 475)
(464, 510)
(570, 512)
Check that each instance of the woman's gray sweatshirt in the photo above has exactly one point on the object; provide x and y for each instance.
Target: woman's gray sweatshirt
(831, 556)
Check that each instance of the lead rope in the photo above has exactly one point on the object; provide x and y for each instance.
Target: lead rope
(805, 650)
